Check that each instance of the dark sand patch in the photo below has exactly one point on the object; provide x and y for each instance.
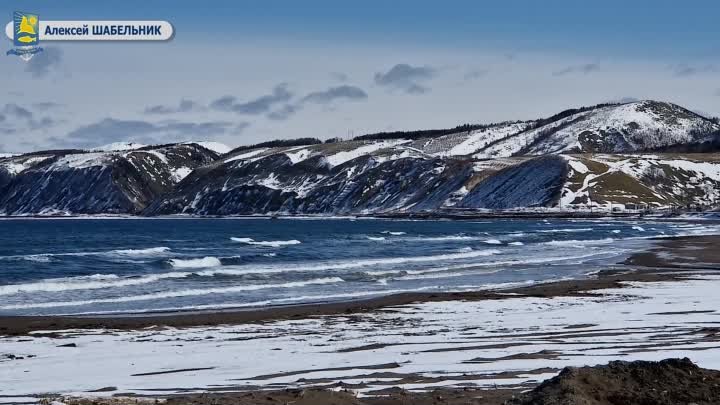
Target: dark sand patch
(181, 370)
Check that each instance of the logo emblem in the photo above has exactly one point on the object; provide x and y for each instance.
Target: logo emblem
(26, 31)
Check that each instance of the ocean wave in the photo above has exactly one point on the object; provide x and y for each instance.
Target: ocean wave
(199, 263)
(566, 230)
(433, 276)
(341, 265)
(38, 258)
(493, 242)
(275, 301)
(394, 233)
(271, 243)
(376, 238)
(510, 262)
(174, 294)
(574, 242)
(444, 238)
(46, 257)
(139, 252)
(92, 282)
(212, 266)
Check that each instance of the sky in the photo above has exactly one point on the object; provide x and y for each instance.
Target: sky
(243, 72)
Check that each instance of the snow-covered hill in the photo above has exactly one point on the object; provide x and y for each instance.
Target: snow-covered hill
(72, 182)
(654, 181)
(510, 165)
(624, 128)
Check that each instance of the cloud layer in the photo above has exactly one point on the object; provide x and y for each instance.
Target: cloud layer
(406, 78)
(111, 130)
(575, 69)
(256, 106)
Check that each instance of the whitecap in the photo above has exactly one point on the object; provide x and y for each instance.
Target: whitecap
(175, 294)
(573, 242)
(394, 233)
(566, 230)
(350, 264)
(208, 261)
(271, 243)
(91, 282)
(139, 252)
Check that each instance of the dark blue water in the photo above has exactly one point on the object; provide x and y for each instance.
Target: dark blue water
(73, 266)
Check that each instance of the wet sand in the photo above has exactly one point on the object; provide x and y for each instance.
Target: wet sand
(665, 261)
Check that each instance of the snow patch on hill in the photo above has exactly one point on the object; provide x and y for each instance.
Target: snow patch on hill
(246, 155)
(479, 139)
(217, 147)
(118, 146)
(346, 156)
(298, 156)
(19, 165)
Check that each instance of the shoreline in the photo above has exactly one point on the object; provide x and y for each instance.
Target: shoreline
(643, 266)
(415, 216)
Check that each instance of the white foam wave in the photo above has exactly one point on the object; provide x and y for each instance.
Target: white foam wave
(277, 301)
(573, 242)
(92, 282)
(376, 238)
(99, 281)
(46, 257)
(394, 233)
(38, 258)
(140, 252)
(342, 265)
(208, 261)
(174, 294)
(271, 243)
(433, 276)
(565, 230)
(445, 238)
(511, 262)
(493, 242)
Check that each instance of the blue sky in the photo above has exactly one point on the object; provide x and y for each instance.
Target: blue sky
(353, 67)
(641, 27)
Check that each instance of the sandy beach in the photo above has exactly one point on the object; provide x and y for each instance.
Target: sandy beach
(485, 345)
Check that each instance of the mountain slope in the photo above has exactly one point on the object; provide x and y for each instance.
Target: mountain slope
(551, 163)
(367, 177)
(623, 128)
(65, 182)
(659, 180)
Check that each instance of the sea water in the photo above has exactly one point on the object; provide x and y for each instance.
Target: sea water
(109, 266)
